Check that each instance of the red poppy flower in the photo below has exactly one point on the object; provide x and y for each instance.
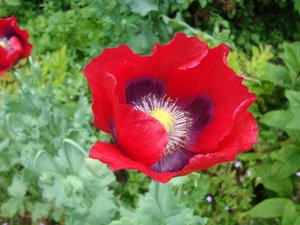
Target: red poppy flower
(13, 44)
(179, 110)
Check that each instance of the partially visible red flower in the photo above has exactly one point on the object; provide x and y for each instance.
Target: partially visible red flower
(179, 110)
(13, 44)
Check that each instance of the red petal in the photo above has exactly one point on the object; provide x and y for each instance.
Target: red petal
(131, 126)
(243, 136)
(220, 83)
(3, 56)
(142, 137)
(4, 64)
(14, 55)
(102, 85)
(112, 155)
(121, 71)
(120, 54)
(24, 36)
(18, 41)
(182, 52)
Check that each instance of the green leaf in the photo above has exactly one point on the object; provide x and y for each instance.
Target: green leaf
(13, 2)
(13, 207)
(149, 213)
(44, 163)
(203, 3)
(29, 174)
(291, 57)
(104, 208)
(96, 167)
(142, 7)
(54, 192)
(276, 74)
(4, 144)
(64, 192)
(40, 210)
(124, 221)
(290, 214)
(282, 187)
(4, 162)
(192, 177)
(281, 169)
(295, 122)
(297, 222)
(45, 115)
(270, 208)
(69, 157)
(18, 187)
(277, 118)
(294, 101)
(177, 181)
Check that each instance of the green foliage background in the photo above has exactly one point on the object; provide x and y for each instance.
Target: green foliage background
(46, 133)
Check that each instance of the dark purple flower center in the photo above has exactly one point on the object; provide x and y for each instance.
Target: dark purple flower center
(8, 34)
(184, 119)
(176, 121)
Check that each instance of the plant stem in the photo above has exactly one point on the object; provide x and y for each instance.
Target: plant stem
(158, 202)
(19, 85)
(21, 89)
(74, 144)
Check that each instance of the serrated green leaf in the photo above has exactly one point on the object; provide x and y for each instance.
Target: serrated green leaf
(18, 187)
(29, 174)
(40, 210)
(270, 208)
(186, 217)
(13, 207)
(54, 193)
(193, 177)
(70, 158)
(96, 167)
(4, 162)
(57, 214)
(4, 144)
(142, 7)
(124, 221)
(149, 213)
(290, 214)
(45, 115)
(103, 208)
(177, 181)
(44, 163)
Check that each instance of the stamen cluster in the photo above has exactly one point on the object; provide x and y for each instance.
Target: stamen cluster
(179, 133)
(4, 42)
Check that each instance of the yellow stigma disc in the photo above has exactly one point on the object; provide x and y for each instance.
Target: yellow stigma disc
(164, 117)
(3, 44)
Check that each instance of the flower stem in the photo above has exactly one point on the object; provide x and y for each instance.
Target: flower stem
(158, 202)
(18, 83)
(21, 89)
